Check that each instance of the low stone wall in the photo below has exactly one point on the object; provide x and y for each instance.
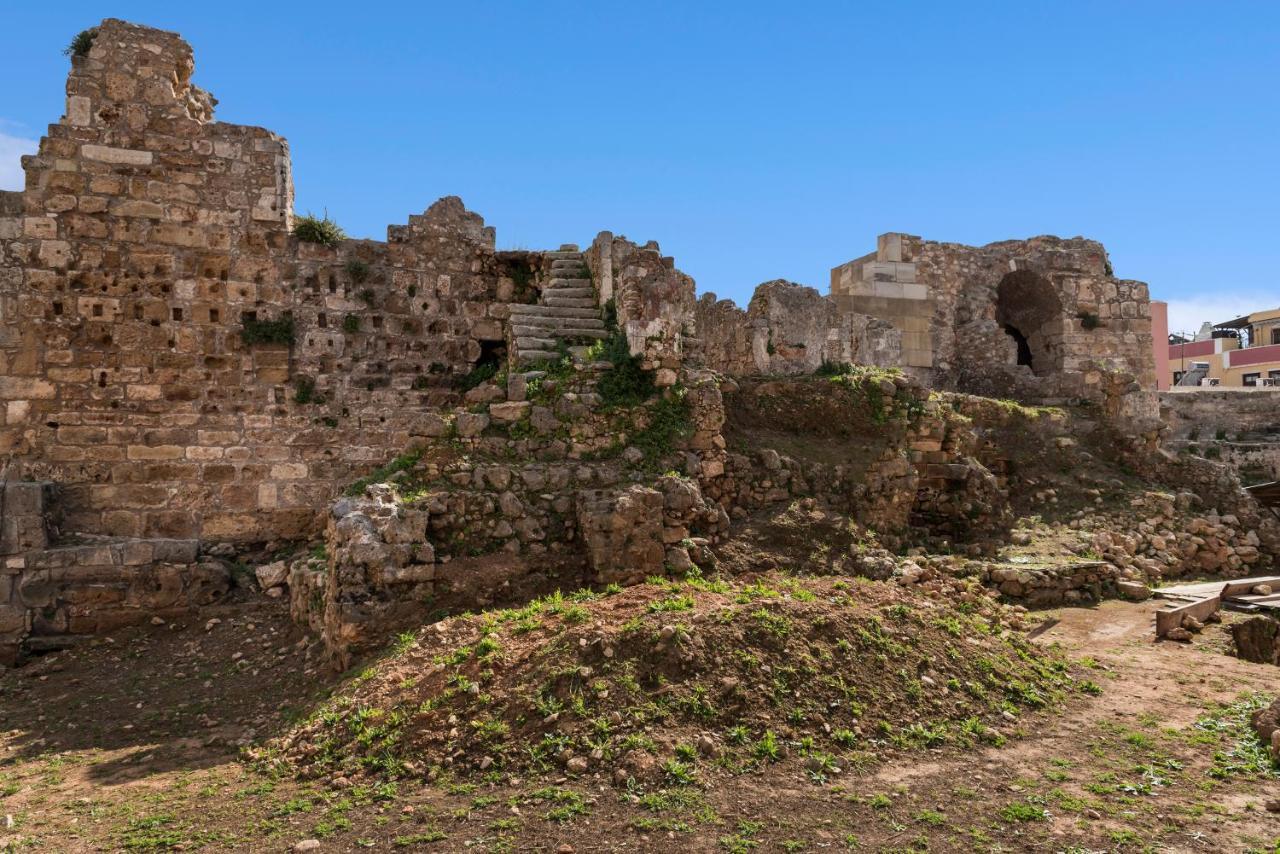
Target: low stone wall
(1207, 414)
(1087, 582)
(51, 590)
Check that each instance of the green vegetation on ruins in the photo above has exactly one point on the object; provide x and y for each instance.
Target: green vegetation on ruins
(318, 229)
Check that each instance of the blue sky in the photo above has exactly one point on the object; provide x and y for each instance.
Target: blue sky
(754, 140)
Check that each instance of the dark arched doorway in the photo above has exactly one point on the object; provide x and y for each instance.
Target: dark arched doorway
(1030, 313)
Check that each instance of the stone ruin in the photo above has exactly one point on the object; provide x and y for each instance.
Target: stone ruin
(183, 377)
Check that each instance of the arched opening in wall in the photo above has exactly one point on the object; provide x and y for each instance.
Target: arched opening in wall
(1024, 347)
(1029, 311)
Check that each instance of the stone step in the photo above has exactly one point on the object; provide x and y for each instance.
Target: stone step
(563, 278)
(522, 310)
(532, 343)
(552, 322)
(552, 326)
(564, 255)
(557, 301)
(570, 269)
(530, 357)
(575, 293)
(557, 332)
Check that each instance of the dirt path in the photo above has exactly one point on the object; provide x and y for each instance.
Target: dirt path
(132, 745)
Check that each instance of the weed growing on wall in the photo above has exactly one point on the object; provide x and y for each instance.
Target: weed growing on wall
(399, 464)
(255, 331)
(304, 391)
(670, 419)
(478, 375)
(322, 230)
(626, 383)
(82, 43)
(357, 270)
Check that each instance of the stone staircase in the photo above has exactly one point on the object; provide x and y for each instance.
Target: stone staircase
(566, 312)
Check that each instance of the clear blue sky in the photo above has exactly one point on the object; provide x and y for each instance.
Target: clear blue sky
(755, 140)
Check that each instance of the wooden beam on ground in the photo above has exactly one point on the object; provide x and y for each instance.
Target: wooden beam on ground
(1244, 585)
(1171, 617)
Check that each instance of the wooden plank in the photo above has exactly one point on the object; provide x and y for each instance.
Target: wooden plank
(1193, 591)
(1168, 618)
(1209, 588)
(1244, 585)
(1271, 599)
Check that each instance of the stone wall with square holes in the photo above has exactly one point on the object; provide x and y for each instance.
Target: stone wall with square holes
(173, 356)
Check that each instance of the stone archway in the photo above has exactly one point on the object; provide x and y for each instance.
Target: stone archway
(1030, 313)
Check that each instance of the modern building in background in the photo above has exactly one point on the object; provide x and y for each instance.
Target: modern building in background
(1240, 353)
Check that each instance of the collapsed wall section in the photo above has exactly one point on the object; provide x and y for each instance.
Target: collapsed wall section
(790, 329)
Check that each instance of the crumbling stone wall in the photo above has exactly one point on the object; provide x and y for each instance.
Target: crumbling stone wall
(1240, 429)
(52, 588)
(1031, 319)
(789, 329)
(534, 479)
(150, 239)
(653, 301)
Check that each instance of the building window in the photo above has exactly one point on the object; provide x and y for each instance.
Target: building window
(1252, 379)
(1275, 335)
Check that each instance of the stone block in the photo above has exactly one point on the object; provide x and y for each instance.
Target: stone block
(123, 156)
(509, 412)
(470, 424)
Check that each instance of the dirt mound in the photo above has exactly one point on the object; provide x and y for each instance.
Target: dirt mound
(651, 681)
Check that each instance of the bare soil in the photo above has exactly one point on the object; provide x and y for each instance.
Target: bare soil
(133, 744)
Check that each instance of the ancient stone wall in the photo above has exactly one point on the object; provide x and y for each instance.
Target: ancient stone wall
(1203, 413)
(51, 587)
(652, 300)
(790, 329)
(1032, 319)
(1241, 429)
(172, 355)
(540, 484)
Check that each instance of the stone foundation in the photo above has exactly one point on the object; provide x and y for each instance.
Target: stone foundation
(53, 590)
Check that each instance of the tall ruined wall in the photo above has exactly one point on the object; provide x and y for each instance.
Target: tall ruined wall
(149, 240)
(956, 306)
(790, 329)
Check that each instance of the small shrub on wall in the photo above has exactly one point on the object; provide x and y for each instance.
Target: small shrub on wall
(322, 230)
(357, 270)
(82, 43)
(257, 331)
